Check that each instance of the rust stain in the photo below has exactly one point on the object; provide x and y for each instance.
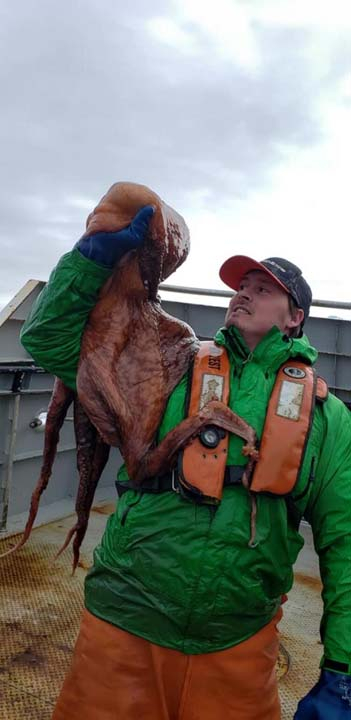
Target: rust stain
(28, 658)
(65, 648)
(12, 625)
(30, 564)
(311, 582)
(104, 509)
(84, 564)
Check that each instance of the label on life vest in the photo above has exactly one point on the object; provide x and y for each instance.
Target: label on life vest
(211, 389)
(290, 400)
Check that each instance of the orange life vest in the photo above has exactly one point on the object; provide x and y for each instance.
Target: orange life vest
(288, 421)
(201, 467)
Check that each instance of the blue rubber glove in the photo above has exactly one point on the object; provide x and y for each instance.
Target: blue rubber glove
(329, 699)
(107, 248)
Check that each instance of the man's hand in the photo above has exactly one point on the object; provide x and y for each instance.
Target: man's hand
(329, 699)
(107, 248)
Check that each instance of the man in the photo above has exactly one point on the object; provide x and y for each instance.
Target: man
(181, 604)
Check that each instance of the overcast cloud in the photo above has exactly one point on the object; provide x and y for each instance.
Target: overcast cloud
(237, 113)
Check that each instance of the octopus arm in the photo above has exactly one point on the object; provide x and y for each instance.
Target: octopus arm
(159, 459)
(61, 399)
(92, 456)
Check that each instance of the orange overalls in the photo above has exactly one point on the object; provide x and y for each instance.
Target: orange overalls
(119, 676)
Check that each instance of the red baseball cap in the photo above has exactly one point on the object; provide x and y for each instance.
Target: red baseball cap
(283, 272)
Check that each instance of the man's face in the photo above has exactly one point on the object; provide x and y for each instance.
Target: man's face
(258, 305)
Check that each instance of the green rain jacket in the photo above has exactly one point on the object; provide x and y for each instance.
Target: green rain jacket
(179, 574)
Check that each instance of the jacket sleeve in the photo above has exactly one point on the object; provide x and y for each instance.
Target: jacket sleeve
(329, 512)
(52, 332)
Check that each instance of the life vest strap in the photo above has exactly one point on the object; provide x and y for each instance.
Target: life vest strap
(169, 481)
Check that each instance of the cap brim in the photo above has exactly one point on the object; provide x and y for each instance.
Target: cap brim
(234, 269)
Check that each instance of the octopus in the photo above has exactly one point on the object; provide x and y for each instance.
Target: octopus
(132, 356)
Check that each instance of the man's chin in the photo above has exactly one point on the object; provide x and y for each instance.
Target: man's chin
(233, 321)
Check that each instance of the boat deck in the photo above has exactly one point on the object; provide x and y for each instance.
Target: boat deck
(40, 611)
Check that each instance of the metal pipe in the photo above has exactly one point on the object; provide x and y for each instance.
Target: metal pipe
(228, 294)
(45, 391)
(8, 466)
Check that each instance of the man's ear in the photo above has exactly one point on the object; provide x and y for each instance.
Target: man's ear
(296, 318)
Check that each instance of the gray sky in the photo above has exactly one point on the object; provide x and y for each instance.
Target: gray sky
(237, 113)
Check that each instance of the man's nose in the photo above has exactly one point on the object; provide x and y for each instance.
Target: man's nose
(244, 293)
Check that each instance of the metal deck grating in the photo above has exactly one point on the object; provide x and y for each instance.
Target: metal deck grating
(300, 636)
(40, 611)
